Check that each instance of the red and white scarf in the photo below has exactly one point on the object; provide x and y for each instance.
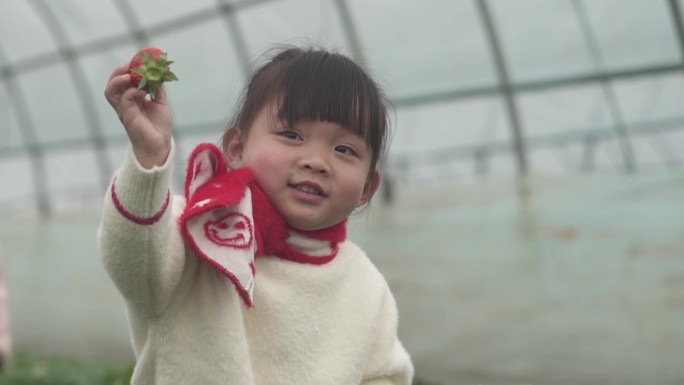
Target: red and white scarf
(228, 222)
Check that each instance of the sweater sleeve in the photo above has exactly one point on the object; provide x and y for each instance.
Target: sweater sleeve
(138, 238)
(389, 363)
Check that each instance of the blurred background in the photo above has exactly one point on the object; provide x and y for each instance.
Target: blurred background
(530, 223)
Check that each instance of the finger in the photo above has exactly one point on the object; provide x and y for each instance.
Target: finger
(117, 86)
(131, 105)
(160, 97)
(133, 95)
(122, 69)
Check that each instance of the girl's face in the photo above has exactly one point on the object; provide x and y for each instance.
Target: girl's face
(315, 173)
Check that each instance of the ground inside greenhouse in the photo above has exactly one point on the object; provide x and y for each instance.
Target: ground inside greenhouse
(581, 282)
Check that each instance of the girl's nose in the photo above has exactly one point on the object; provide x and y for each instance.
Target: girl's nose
(315, 163)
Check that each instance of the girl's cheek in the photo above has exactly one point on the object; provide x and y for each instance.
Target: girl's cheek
(266, 161)
(273, 157)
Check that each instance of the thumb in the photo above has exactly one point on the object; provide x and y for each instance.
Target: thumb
(160, 97)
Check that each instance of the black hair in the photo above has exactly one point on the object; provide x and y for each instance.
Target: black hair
(317, 84)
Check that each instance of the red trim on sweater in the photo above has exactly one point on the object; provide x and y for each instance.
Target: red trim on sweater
(292, 254)
(137, 219)
(335, 233)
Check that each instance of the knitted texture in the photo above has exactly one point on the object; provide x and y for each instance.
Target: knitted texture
(320, 324)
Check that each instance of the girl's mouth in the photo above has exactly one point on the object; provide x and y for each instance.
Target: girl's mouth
(309, 188)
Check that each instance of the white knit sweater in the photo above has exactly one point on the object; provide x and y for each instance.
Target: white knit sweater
(334, 323)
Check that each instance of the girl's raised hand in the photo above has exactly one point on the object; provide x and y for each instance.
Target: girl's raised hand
(148, 123)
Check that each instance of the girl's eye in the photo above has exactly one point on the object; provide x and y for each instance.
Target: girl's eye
(290, 135)
(345, 150)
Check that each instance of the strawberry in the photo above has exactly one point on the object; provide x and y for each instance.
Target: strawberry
(149, 68)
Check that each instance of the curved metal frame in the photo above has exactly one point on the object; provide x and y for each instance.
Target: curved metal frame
(606, 86)
(506, 87)
(85, 98)
(28, 131)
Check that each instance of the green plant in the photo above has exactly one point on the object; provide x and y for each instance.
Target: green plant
(30, 370)
(417, 381)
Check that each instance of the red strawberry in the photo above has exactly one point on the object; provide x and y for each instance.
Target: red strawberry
(149, 68)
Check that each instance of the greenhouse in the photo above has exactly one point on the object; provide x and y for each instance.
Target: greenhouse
(526, 221)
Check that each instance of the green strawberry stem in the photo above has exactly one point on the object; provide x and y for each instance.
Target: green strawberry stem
(154, 72)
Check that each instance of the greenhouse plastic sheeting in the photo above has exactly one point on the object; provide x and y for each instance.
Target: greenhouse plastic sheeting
(478, 87)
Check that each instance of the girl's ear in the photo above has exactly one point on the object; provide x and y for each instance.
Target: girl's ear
(233, 144)
(370, 188)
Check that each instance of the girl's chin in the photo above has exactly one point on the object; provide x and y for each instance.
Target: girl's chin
(304, 224)
(306, 218)
(304, 227)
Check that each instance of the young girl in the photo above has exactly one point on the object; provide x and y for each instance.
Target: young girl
(248, 278)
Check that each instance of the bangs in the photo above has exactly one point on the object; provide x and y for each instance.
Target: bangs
(320, 87)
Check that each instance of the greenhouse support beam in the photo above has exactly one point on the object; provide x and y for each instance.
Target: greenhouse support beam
(28, 131)
(535, 85)
(82, 90)
(594, 135)
(607, 88)
(350, 31)
(235, 35)
(132, 22)
(676, 13)
(506, 86)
